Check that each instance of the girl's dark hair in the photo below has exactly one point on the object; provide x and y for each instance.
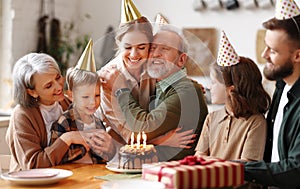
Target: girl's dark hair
(248, 96)
(290, 26)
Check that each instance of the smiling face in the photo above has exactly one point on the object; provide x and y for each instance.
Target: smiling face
(134, 48)
(278, 54)
(48, 87)
(86, 99)
(165, 57)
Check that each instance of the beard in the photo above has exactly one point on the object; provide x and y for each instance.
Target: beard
(279, 72)
(160, 71)
(157, 71)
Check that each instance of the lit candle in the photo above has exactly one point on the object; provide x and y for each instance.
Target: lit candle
(138, 140)
(132, 140)
(144, 139)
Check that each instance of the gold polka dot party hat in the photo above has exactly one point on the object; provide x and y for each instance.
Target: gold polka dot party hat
(226, 55)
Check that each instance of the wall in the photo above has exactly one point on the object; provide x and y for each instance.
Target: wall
(25, 21)
(240, 25)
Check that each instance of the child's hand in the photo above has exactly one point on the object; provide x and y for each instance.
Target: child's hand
(101, 143)
(75, 137)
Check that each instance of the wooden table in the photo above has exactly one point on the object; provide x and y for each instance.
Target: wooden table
(83, 178)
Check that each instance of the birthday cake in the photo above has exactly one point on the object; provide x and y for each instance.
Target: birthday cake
(133, 156)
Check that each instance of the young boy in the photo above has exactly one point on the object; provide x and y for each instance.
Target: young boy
(84, 91)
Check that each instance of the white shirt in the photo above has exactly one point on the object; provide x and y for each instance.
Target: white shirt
(89, 126)
(50, 114)
(277, 124)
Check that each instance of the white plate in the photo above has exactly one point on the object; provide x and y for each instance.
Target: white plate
(34, 173)
(132, 183)
(57, 175)
(114, 167)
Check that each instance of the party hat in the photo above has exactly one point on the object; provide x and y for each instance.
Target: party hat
(129, 11)
(87, 60)
(160, 19)
(226, 55)
(286, 9)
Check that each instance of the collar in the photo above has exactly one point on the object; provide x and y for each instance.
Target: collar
(165, 83)
(294, 92)
(223, 115)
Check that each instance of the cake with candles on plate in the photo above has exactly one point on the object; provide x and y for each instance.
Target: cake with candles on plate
(134, 155)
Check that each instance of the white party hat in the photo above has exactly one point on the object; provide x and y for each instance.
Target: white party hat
(226, 55)
(160, 19)
(286, 9)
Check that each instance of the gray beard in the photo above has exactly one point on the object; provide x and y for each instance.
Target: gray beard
(156, 73)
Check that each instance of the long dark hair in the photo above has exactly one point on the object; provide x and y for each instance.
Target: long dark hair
(248, 96)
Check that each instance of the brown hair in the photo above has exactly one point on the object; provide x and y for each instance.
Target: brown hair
(291, 27)
(248, 96)
(142, 24)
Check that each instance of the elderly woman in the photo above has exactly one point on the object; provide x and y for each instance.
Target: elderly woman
(38, 93)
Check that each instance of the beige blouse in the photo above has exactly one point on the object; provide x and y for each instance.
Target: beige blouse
(229, 138)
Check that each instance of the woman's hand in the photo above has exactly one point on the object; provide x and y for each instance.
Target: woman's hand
(174, 138)
(112, 78)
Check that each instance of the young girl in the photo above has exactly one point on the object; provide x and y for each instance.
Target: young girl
(84, 91)
(237, 132)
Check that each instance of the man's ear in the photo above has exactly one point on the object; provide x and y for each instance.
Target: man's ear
(182, 59)
(297, 56)
(32, 93)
